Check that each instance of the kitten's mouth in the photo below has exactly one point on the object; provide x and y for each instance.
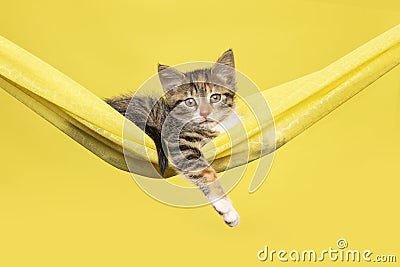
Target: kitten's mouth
(209, 122)
(206, 120)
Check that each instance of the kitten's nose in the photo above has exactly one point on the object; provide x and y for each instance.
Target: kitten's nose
(205, 110)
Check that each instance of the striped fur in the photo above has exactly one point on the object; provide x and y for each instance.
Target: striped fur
(181, 123)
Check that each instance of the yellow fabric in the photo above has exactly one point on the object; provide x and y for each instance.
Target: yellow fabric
(295, 105)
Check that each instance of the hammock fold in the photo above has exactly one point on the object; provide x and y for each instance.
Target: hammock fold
(295, 105)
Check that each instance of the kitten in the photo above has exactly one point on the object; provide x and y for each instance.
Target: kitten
(196, 103)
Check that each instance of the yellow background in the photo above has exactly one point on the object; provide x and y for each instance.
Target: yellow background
(62, 206)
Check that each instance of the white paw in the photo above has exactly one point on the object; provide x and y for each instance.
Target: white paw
(231, 218)
(224, 207)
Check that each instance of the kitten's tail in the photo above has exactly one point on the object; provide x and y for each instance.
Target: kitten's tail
(121, 105)
(155, 134)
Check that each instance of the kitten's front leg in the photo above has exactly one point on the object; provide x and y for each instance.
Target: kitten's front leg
(186, 156)
(207, 181)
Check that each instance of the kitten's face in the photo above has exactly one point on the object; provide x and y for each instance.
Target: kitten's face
(204, 96)
(201, 102)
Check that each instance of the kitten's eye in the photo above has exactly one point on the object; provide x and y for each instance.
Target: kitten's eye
(190, 102)
(215, 98)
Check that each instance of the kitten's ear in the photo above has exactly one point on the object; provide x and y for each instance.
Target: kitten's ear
(170, 77)
(223, 71)
(227, 59)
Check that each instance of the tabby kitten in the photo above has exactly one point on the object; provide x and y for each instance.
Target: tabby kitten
(195, 106)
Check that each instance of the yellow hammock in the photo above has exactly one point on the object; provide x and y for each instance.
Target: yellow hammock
(295, 105)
